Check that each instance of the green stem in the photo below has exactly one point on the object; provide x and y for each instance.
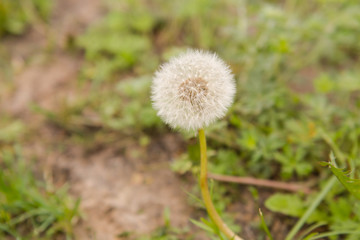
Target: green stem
(330, 183)
(205, 192)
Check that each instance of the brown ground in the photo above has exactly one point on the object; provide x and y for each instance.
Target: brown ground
(122, 187)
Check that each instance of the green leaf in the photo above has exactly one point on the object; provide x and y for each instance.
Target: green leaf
(182, 165)
(12, 131)
(351, 184)
(202, 225)
(324, 84)
(287, 204)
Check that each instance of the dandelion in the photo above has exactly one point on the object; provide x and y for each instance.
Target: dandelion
(190, 92)
(193, 90)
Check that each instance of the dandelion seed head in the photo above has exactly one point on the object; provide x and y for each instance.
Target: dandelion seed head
(193, 90)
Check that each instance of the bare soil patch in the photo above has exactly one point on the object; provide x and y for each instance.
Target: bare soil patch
(122, 188)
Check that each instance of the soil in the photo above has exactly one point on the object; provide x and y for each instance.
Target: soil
(123, 188)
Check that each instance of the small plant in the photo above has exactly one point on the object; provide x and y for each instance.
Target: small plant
(351, 184)
(190, 92)
(17, 15)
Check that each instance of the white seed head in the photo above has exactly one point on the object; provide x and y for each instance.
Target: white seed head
(193, 90)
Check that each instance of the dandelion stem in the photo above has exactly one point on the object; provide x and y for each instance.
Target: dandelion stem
(205, 192)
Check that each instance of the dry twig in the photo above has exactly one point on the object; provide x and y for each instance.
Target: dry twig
(293, 187)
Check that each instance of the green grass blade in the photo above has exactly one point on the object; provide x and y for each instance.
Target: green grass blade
(264, 226)
(330, 183)
(334, 233)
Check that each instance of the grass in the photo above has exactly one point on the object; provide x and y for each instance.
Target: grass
(31, 208)
(296, 67)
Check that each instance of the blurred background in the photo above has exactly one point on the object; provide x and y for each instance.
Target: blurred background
(84, 156)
